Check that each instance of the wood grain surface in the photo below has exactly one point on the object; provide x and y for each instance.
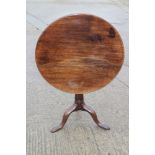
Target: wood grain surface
(79, 53)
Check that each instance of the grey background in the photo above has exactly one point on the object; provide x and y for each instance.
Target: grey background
(45, 104)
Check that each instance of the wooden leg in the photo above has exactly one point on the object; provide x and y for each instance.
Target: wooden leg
(65, 117)
(79, 105)
(94, 116)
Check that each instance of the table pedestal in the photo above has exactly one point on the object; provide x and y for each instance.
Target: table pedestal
(80, 105)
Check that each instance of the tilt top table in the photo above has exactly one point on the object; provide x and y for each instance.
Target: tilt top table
(79, 54)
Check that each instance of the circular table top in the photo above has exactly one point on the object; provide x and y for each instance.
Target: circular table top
(79, 53)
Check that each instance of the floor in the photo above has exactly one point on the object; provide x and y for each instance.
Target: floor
(45, 104)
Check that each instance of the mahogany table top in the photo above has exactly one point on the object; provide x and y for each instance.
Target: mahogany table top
(79, 53)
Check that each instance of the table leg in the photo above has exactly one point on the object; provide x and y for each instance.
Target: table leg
(80, 105)
(64, 119)
(94, 116)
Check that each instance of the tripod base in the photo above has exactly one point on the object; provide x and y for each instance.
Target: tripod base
(80, 105)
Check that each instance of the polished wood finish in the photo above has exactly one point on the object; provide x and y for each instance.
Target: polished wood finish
(80, 105)
(79, 53)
